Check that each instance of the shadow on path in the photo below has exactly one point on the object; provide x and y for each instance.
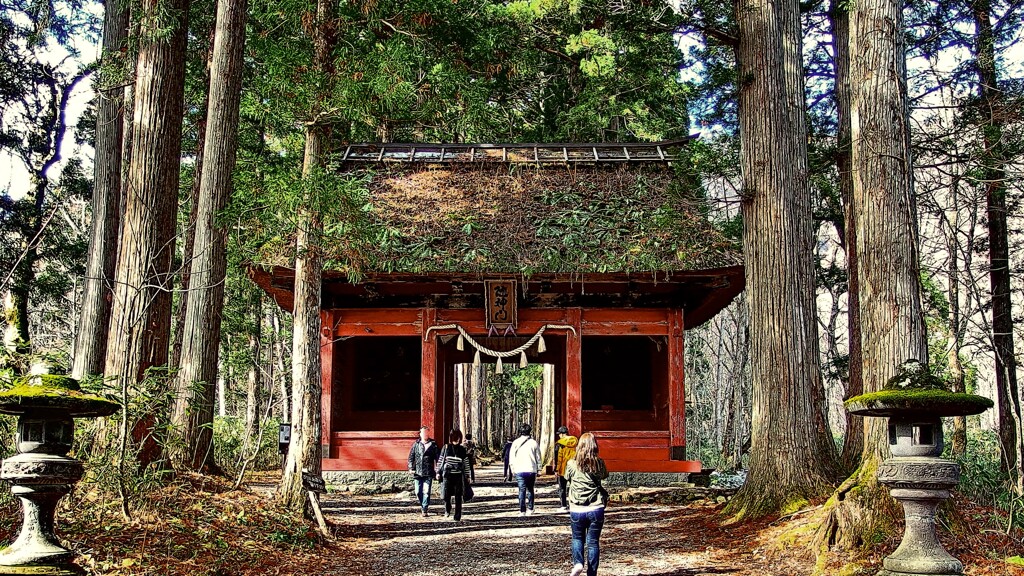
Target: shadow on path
(388, 537)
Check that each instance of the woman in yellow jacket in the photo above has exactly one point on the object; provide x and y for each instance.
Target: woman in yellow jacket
(565, 450)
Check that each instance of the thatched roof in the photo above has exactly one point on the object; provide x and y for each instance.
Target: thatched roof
(526, 209)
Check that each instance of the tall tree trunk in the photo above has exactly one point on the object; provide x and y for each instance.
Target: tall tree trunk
(193, 213)
(884, 214)
(94, 319)
(222, 391)
(994, 159)
(279, 352)
(192, 416)
(140, 313)
(305, 450)
(853, 441)
(253, 380)
(958, 446)
(792, 456)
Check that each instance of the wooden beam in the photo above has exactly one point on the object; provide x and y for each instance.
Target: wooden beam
(574, 373)
(676, 387)
(626, 322)
(428, 373)
(326, 380)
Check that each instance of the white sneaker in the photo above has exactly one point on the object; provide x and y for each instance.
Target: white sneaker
(563, 509)
(522, 514)
(529, 512)
(576, 570)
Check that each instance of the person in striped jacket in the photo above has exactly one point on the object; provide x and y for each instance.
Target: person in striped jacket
(454, 470)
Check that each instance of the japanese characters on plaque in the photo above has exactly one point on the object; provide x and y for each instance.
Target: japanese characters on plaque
(500, 304)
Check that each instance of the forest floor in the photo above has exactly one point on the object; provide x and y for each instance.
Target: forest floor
(200, 526)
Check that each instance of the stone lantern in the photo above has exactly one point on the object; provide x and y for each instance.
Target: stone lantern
(915, 401)
(41, 472)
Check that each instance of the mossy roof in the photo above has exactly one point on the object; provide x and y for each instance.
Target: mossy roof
(57, 393)
(519, 216)
(923, 401)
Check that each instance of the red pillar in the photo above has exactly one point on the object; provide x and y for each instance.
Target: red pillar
(326, 380)
(428, 373)
(676, 386)
(573, 373)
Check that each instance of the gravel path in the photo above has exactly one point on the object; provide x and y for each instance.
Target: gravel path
(388, 537)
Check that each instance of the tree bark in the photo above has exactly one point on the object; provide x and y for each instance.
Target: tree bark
(958, 445)
(140, 314)
(994, 161)
(883, 212)
(853, 441)
(279, 364)
(193, 212)
(305, 450)
(254, 381)
(792, 458)
(192, 416)
(94, 319)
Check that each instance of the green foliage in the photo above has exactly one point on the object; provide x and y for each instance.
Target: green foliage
(146, 411)
(516, 387)
(982, 478)
(39, 256)
(229, 442)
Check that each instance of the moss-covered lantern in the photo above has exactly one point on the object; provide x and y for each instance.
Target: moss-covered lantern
(915, 401)
(41, 472)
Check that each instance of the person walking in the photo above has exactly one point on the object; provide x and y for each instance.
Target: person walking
(565, 450)
(524, 462)
(505, 455)
(453, 466)
(471, 454)
(587, 499)
(422, 462)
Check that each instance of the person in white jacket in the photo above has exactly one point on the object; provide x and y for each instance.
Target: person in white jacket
(524, 458)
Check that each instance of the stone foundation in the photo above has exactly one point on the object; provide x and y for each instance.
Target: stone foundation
(649, 479)
(363, 482)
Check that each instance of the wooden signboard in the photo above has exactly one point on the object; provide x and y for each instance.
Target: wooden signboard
(500, 302)
(313, 484)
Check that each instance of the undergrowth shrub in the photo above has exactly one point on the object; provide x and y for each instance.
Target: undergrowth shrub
(8, 425)
(982, 478)
(229, 443)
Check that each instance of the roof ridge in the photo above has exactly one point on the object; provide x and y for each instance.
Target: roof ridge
(537, 153)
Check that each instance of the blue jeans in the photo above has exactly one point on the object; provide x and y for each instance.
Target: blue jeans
(422, 485)
(526, 482)
(586, 527)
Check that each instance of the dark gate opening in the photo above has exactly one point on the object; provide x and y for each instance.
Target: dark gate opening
(378, 383)
(625, 383)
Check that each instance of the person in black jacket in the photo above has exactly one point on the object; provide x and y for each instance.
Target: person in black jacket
(452, 469)
(422, 461)
(505, 456)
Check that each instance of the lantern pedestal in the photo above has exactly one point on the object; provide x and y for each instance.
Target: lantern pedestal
(41, 473)
(39, 481)
(920, 484)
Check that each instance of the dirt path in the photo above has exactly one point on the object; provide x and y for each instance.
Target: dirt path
(388, 537)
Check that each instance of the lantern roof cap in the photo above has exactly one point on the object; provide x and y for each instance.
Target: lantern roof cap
(53, 393)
